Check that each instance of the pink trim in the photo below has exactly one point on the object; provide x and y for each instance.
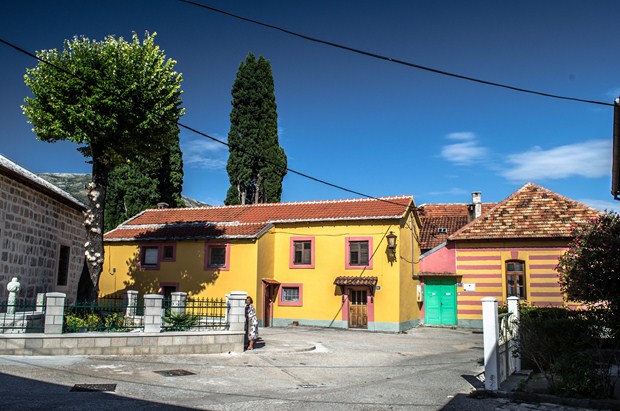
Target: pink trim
(345, 306)
(535, 294)
(514, 254)
(470, 303)
(544, 276)
(542, 266)
(174, 252)
(348, 266)
(549, 304)
(544, 257)
(292, 252)
(544, 285)
(517, 249)
(474, 276)
(226, 266)
(299, 303)
(479, 258)
(370, 309)
(149, 266)
(479, 267)
(469, 311)
(480, 293)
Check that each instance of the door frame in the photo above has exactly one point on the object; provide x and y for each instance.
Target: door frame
(270, 295)
(370, 304)
(428, 288)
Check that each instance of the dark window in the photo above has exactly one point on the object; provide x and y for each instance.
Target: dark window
(515, 279)
(150, 256)
(290, 294)
(168, 252)
(63, 265)
(217, 256)
(303, 252)
(358, 253)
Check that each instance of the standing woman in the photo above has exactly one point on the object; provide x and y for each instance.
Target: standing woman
(251, 322)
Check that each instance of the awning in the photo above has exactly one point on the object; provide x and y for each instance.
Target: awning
(270, 281)
(356, 281)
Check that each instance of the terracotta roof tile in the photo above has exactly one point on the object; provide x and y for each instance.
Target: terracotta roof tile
(353, 281)
(530, 212)
(249, 220)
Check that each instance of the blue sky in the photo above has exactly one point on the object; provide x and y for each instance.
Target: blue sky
(368, 125)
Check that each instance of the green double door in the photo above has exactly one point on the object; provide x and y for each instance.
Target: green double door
(440, 301)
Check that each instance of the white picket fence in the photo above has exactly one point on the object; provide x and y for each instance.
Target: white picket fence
(500, 342)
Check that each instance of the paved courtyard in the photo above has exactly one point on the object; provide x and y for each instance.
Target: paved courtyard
(297, 368)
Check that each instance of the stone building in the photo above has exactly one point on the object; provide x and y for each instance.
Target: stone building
(41, 235)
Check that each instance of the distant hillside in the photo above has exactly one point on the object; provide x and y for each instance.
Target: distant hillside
(75, 184)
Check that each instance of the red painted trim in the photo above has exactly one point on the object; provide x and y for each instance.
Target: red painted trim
(345, 307)
(174, 252)
(536, 294)
(479, 258)
(514, 254)
(226, 266)
(548, 304)
(479, 267)
(370, 309)
(469, 311)
(470, 302)
(292, 252)
(347, 266)
(544, 276)
(544, 257)
(291, 303)
(544, 285)
(480, 293)
(474, 276)
(484, 249)
(542, 266)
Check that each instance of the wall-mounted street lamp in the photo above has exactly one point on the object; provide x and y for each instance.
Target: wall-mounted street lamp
(391, 239)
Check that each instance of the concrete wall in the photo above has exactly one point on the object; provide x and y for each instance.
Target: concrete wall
(172, 343)
(33, 226)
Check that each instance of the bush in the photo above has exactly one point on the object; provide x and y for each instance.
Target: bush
(180, 322)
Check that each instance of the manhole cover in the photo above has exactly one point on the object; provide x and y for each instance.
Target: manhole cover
(93, 387)
(174, 373)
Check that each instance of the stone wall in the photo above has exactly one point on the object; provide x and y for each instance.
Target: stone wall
(33, 226)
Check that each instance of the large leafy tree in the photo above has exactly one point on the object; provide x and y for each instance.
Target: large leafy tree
(118, 100)
(590, 268)
(256, 162)
(135, 187)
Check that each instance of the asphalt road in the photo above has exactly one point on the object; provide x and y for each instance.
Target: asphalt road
(294, 368)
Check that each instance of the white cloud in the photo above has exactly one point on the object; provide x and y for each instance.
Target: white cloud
(453, 191)
(602, 204)
(204, 154)
(466, 151)
(590, 159)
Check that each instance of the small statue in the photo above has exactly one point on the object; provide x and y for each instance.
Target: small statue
(13, 288)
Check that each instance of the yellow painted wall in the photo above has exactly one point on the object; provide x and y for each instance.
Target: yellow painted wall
(484, 264)
(121, 270)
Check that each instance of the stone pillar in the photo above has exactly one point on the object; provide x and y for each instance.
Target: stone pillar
(177, 305)
(490, 326)
(40, 302)
(131, 303)
(13, 288)
(236, 314)
(54, 312)
(513, 308)
(153, 312)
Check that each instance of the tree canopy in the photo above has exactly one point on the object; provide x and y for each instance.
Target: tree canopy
(119, 100)
(256, 163)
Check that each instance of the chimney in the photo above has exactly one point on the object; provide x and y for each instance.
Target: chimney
(474, 210)
(162, 205)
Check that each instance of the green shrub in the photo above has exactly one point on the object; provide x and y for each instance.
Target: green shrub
(180, 322)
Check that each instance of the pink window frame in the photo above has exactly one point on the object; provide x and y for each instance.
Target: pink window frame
(208, 247)
(174, 252)
(347, 253)
(143, 266)
(292, 252)
(291, 303)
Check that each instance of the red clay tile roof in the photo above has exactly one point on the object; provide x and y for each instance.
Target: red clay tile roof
(452, 217)
(530, 212)
(353, 281)
(248, 221)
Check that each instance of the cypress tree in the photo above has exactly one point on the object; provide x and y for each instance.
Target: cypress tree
(256, 162)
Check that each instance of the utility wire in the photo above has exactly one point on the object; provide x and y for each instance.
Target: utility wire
(318, 180)
(394, 60)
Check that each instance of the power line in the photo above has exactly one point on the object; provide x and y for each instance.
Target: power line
(178, 123)
(395, 60)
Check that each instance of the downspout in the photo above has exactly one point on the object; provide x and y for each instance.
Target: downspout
(412, 244)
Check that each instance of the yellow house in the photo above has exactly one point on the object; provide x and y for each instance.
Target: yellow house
(342, 263)
(512, 249)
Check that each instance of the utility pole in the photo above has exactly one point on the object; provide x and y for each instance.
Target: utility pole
(615, 168)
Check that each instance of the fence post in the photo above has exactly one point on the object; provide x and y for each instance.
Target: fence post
(490, 327)
(153, 312)
(54, 312)
(40, 302)
(177, 305)
(236, 315)
(513, 309)
(131, 303)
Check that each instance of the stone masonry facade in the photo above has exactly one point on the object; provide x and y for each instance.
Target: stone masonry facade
(33, 228)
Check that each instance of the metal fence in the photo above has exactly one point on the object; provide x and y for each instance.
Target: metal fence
(22, 317)
(195, 314)
(111, 314)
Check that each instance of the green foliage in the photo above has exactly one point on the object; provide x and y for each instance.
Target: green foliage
(80, 322)
(180, 322)
(256, 163)
(590, 269)
(568, 348)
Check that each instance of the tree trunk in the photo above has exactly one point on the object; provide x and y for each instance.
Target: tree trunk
(93, 222)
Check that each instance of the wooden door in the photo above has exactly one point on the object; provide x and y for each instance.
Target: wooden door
(358, 308)
(271, 292)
